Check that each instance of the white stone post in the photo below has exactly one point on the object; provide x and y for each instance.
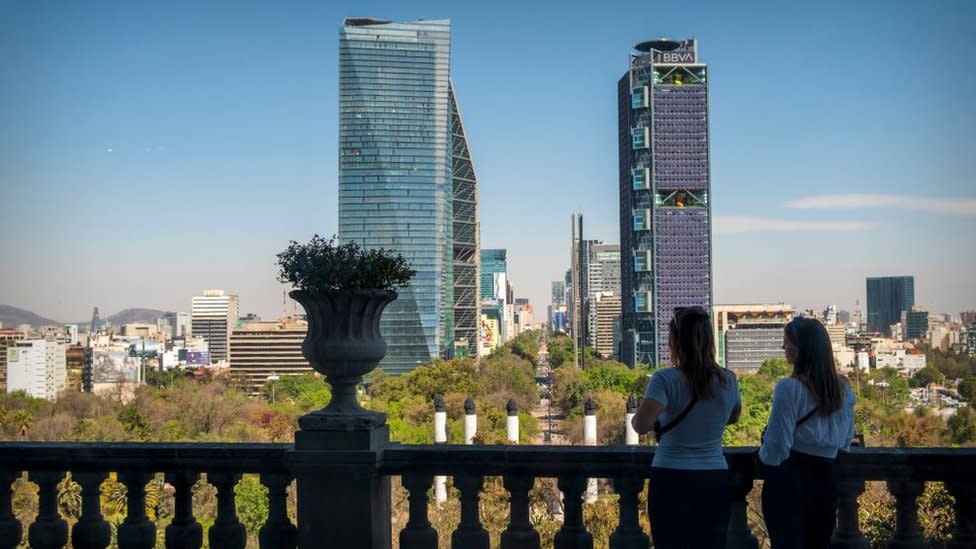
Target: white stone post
(512, 423)
(589, 439)
(440, 437)
(470, 421)
(632, 438)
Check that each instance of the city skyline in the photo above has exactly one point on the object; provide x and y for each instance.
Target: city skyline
(121, 145)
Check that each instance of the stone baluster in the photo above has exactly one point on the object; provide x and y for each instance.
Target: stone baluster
(136, 531)
(470, 534)
(418, 533)
(11, 530)
(908, 535)
(848, 533)
(573, 534)
(184, 532)
(964, 534)
(91, 531)
(227, 531)
(440, 437)
(589, 439)
(740, 536)
(278, 531)
(628, 534)
(630, 435)
(49, 530)
(512, 422)
(519, 534)
(470, 421)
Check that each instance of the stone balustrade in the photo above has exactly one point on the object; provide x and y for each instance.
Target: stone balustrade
(343, 489)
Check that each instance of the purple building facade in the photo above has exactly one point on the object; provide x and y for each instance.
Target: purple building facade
(665, 213)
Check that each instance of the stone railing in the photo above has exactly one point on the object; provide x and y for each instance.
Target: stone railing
(46, 465)
(344, 496)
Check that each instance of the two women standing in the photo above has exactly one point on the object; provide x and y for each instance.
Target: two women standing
(690, 405)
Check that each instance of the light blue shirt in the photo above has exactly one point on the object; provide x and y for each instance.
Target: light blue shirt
(696, 442)
(820, 435)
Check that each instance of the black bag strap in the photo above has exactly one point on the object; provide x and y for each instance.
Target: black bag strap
(801, 421)
(806, 417)
(659, 430)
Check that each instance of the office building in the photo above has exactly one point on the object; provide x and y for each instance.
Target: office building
(602, 279)
(212, 316)
(971, 340)
(837, 334)
(557, 302)
(843, 316)
(914, 324)
(665, 213)
(558, 293)
(174, 324)
(603, 270)
(748, 335)
(606, 307)
(7, 338)
(968, 318)
(888, 297)
(38, 367)
(494, 272)
(262, 349)
(406, 181)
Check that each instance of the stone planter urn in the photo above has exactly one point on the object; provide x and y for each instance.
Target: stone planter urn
(343, 343)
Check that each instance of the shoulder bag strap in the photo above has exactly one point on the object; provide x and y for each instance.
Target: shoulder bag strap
(806, 417)
(674, 422)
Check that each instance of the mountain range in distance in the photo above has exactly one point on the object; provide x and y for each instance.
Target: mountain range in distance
(11, 317)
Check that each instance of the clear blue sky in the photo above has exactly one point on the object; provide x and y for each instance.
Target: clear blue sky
(151, 150)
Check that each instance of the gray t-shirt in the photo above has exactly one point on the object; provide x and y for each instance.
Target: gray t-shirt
(696, 442)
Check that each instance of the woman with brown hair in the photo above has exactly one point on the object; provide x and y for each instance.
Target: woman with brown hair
(812, 418)
(688, 407)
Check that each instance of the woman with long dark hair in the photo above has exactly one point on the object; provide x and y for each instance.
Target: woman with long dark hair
(688, 406)
(811, 420)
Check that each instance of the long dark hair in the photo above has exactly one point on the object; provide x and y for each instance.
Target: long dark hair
(692, 338)
(814, 364)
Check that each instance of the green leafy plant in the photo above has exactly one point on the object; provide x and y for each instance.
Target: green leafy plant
(325, 266)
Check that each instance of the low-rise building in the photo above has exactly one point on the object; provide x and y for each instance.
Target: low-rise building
(38, 367)
(262, 350)
(7, 338)
(906, 363)
(748, 335)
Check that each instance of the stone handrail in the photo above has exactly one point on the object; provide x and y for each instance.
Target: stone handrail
(336, 472)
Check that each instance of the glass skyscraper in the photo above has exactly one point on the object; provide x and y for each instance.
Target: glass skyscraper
(665, 214)
(493, 263)
(406, 181)
(888, 297)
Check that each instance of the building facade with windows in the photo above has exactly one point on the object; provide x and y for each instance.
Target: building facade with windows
(212, 317)
(406, 181)
(888, 297)
(748, 335)
(259, 350)
(38, 367)
(665, 212)
(914, 324)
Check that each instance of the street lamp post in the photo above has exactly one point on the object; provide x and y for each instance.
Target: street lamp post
(883, 384)
(272, 378)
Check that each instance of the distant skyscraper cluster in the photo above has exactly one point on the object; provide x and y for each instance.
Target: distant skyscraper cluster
(665, 213)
